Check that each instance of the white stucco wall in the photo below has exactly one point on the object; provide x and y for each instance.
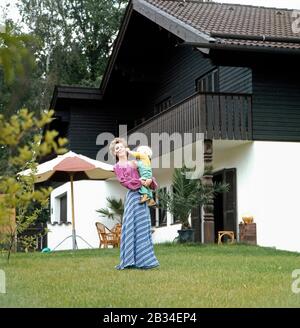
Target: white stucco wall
(267, 180)
(169, 232)
(88, 197)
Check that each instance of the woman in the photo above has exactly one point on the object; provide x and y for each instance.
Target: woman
(136, 249)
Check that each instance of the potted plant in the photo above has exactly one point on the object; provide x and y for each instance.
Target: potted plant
(187, 194)
(114, 210)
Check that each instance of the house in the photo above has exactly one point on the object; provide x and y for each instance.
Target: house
(227, 72)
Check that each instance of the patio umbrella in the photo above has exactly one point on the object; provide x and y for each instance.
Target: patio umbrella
(72, 167)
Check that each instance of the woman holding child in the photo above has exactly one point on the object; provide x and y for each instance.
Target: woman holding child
(136, 249)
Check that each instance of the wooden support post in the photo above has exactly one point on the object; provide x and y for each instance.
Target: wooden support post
(208, 209)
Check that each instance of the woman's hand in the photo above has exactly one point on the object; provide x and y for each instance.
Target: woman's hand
(146, 182)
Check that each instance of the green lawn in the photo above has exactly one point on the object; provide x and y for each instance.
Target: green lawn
(188, 276)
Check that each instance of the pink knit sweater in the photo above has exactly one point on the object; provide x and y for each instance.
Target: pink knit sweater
(129, 177)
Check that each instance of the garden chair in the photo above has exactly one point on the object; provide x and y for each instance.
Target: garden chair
(106, 236)
(228, 234)
(117, 230)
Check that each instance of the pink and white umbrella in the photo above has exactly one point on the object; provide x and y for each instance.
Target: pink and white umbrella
(81, 167)
(72, 167)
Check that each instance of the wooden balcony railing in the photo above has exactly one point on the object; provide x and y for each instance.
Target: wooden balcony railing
(217, 115)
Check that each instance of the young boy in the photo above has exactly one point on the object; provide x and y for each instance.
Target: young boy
(143, 156)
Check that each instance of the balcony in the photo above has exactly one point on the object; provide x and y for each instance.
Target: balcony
(217, 115)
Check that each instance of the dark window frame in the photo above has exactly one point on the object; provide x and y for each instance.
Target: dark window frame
(162, 214)
(152, 210)
(174, 219)
(63, 208)
(163, 105)
(209, 82)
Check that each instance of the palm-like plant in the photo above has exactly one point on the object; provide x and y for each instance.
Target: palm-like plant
(187, 194)
(114, 210)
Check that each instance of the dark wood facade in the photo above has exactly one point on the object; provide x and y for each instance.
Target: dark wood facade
(163, 71)
(257, 95)
(276, 100)
(80, 116)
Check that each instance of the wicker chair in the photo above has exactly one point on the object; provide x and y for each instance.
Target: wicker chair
(107, 237)
(117, 230)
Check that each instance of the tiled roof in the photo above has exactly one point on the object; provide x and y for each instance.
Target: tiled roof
(250, 21)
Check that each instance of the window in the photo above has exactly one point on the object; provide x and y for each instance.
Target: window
(209, 82)
(163, 105)
(153, 212)
(162, 213)
(61, 215)
(175, 219)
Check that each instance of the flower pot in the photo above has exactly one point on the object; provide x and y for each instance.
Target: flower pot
(186, 235)
(247, 219)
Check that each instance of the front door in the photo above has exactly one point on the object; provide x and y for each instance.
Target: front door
(225, 213)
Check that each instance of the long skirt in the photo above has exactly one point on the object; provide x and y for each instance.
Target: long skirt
(136, 247)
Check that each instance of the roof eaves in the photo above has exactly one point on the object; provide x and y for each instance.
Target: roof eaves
(74, 93)
(69, 92)
(171, 23)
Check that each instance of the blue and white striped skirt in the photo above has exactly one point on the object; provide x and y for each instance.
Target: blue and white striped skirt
(136, 248)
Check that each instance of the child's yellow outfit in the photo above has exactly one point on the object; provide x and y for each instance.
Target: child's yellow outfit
(145, 171)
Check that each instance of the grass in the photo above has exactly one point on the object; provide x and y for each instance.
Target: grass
(189, 276)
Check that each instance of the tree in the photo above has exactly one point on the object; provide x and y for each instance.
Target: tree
(16, 67)
(23, 143)
(21, 146)
(76, 39)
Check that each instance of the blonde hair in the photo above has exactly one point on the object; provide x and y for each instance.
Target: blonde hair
(145, 150)
(113, 144)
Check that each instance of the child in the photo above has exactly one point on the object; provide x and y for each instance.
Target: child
(143, 156)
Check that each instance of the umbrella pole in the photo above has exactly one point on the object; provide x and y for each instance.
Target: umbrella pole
(73, 212)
